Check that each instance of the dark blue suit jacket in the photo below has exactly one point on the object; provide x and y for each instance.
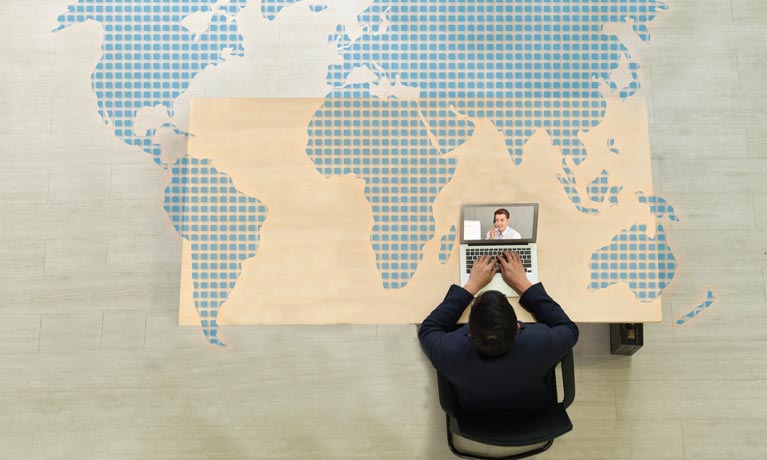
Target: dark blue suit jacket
(512, 384)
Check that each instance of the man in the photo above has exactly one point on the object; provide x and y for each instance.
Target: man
(497, 364)
(501, 229)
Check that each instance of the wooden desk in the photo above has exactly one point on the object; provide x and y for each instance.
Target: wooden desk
(315, 263)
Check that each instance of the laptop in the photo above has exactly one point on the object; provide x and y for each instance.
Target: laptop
(494, 228)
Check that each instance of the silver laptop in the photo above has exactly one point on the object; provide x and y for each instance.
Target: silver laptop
(495, 228)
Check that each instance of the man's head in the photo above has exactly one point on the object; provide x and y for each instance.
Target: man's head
(492, 324)
(501, 219)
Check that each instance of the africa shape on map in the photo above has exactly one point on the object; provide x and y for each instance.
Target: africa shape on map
(524, 65)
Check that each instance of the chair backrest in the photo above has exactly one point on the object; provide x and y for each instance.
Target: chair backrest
(531, 430)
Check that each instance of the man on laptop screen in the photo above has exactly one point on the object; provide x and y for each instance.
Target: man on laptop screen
(501, 229)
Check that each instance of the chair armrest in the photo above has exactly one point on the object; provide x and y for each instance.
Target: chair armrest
(568, 379)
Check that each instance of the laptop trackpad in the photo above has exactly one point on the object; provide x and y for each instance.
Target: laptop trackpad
(498, 284)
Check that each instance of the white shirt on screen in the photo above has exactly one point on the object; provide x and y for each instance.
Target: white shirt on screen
(508, 234)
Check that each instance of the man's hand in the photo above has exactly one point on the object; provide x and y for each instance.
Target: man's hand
(481, 274)
(513, 272)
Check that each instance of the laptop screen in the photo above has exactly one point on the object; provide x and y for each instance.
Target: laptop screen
(499, 223)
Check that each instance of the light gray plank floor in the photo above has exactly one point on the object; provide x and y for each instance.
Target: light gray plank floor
(93, 365)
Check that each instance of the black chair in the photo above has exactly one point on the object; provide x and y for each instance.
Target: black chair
(536, 431)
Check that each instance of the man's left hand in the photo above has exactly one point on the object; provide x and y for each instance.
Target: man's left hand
(481, 274)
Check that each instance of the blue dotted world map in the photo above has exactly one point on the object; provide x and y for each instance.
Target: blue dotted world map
(526, 65)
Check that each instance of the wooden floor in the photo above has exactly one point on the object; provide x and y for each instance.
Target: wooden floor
(93, 365)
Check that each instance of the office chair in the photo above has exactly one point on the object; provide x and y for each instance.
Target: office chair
(537, 430)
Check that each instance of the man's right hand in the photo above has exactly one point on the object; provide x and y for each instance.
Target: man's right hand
(513, 272)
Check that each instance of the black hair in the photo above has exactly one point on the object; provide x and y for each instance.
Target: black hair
(503, 211)
(492, 324)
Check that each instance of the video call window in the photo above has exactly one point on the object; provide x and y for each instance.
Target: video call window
(480, 222)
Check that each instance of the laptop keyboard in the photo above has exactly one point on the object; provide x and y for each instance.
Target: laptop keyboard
(473, 253)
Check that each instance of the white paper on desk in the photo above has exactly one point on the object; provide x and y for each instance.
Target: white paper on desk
(472, 230)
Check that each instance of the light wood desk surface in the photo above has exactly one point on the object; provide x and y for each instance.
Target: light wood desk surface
(315, 263)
